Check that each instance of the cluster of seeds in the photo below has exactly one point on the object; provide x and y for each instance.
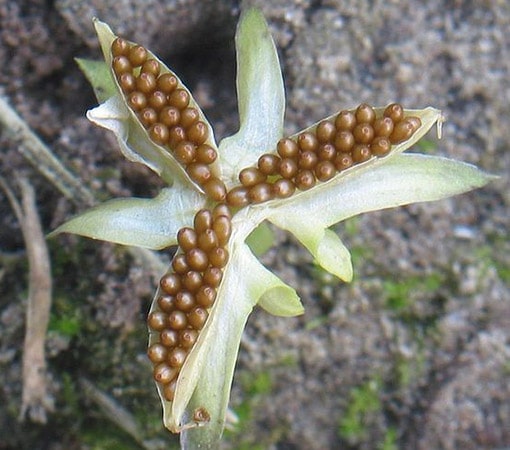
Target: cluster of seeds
(163, 107)
(188, 292)
(319, 153)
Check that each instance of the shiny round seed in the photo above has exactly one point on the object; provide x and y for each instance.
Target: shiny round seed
(184, 300)
(305, 179)
(326, 152)
(197, 259)
(307, 142)
(157, 353)
(150, 66)
(170, 116)
(198, 132)
(187, 238)
(121, 64)
(344, 141)
(137, 55)
(221, 210)
(260, 193)
(120, 47)
(179, 264)
(127, 82)
(395, 112)
(189, 116)
(380, 146)
(203, 220)
(166, 302)
(148, 117)
(167, 83)
(157, 100)
(191, 281)
(177, 134)
(414, 121)
(212, 276)
(137, 100)
(365, 114)
(199, 173)
(238, 197)
(401, 132)
(361, 153)
(251, 176)
(343, 161)
(169, 390)
(207, 240)
(159, 133)
(218, 257)
(363, 133)
(215, 189)
(179, 98)
(197, 317)
(325, 132)
(307, 160)
(170, 283)
(169, 338)
(268, 164)
(383, 126)
(283, 188)
(206, 154)
(176, 357)
(157, 320)
(185, 152)
(146, 83)
(222, 227)
(163, 373)
(287, 148)
(345, 121)
(205, 296)
(325, 170)
(177, 320)
(187, 338)
(288, 168)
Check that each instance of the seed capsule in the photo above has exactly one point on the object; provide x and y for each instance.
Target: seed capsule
(148, 117)
(185, 152)
(197, 133)
(191, 281)
(268, 164)
(157, 99)
(121, 64)
(170, 283)
(287, 148)
(169, 390)
(169, 338)
(344, 141)
(206, 154)
(326, 152)
(207, 240)
(157, 320)
(305, 179)
(307, 160)
(163, 373)
(179, 264)
(380, 146)
(137, 55)
(203, 220)
(150, 66)
(307, 142)
(222, 227)
(127, 82)
(283, 188)
(137, 100)
(383, 126)
(365, 114)
(179, 98)
(361, 153)
(395, 112)
(197, 259)
(166, 302)
(251, 176)
(189, 116)
(120, 47)
(345, 121)
(215, 189)
(325, 170)
(200, 173)
(363, 133)
(197, 318)
(205, 296)
(176, 357)
(212, 276)
(187, 338)
(167, 83)
(325, 132)
(157, 353)
(288, 168)
(237, 197)
(177, 320)
(343, 161)
(218, 257)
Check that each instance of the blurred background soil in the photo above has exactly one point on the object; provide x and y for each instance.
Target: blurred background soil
(414, 353)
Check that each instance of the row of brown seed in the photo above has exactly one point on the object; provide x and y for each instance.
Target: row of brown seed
(187, 293)
(163, 107)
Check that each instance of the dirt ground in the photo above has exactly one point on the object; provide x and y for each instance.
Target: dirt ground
(413, 354)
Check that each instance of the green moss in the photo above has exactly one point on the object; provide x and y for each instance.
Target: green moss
(390, 440)
(398, 294)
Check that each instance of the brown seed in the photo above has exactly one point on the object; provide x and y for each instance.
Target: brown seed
(177, 320)
(238, 197)
(121, 64)
(120, 47)
(305, 179)
(167, 83)
(343, 161)
(414, 121)
(345, 121)
(288, 168)
(137, 55)
(207, 240)
(177, 134)
(380, 146)
(157, 353)
(197, 317)
(307, 160)
(157, 320)
(205, 296)
(184, 301)
(187, 238)
(251, 176)
(222, 227)
(307, 142)
(325, 170)
(179, 264)
(176, 357)
(127, 82)
(170, 116)
(163, 373)
(197, 259)
(395, 112)
(212, 276)
(268, 164)
(148, 117)
(344, 141)
(198, 132)
(170, 283)
(157, 100)
(179, 98)
(203, 220)
(199, 173)
(326, 152)
(287, 148)
(361, 153)
(191, 281)
(187, 338)
(325, 132)
(260, 193)
(185, 152)
(206, 154)
(221, 210)
(189, 116)
(215, 189)
(401, 132)
(159, 133)
(218, 257)
(166, 302)
(365, 114)
(146, 83)
(169, 338)
(363, 133)
(283, 188)
(169, 390)
(151, 66)
(137, 100)
(383, 126)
